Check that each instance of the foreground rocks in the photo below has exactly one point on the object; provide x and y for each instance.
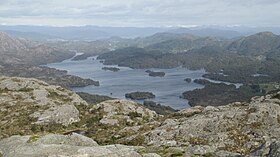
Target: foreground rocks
(238, 128)
(34, 109)
(26, 102)
(64, 145)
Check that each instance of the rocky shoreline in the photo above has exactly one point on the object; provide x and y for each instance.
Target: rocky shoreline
(50, 75)
(218, 94)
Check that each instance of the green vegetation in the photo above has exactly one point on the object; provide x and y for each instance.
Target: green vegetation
(209, 155)
(15, 120)
(217, 94)
(56, 96)
(25, 89)
(198, 141)
(134, 115)
(5, 90)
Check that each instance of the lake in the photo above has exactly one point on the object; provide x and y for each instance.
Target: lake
(167, 89)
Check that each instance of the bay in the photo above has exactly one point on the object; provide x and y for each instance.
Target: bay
(167, 89)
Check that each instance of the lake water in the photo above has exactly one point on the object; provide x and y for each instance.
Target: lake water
(167, 89)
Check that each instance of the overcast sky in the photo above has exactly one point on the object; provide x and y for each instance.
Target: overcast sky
(140, 13)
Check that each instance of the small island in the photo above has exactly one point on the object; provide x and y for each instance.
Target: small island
(189, 80)
(202, 81)
(140, 95)
(113, 69)
(155, 74)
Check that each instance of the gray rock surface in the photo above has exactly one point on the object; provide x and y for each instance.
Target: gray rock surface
(64, 146)
(235, 128)
(274, 149)
(48, 104)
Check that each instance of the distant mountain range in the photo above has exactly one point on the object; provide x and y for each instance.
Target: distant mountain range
(96, 32)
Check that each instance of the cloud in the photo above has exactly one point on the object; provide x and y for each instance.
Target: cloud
(140, 12)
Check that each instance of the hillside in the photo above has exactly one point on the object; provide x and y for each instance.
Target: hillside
(21, 51)
(21, 57)
(187, 43)
(32, 110)
(256, 45)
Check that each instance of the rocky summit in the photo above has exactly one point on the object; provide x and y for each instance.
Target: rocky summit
(38, 119)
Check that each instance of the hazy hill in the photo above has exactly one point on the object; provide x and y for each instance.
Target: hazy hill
(186, 43)
(21, 57)
(21, 51)
(206, 32)
(257, 44)
(85, 32)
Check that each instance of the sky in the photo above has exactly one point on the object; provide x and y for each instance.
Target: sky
(140, 13)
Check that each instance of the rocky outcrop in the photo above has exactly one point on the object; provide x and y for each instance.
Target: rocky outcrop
(116, 111)
(235, 128)
(24, 102)
(65, 145)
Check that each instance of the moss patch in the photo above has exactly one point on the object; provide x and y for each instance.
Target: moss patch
(198, 141)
